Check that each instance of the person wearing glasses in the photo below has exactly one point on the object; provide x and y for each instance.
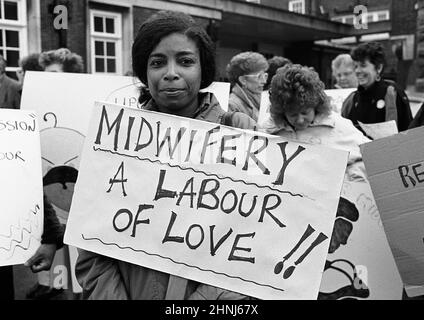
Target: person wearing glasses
(247, 74)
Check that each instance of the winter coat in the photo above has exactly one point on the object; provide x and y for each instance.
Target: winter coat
(53, 230)
(381, 102)
(241, 102)
(418, 120)
(10, 93)
(107, 278)
(331, 131)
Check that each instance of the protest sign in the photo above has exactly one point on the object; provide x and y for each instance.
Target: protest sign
(360, 264)
(236, 209)
(337, 97)
(64, 102)
(379, 130)
(395, 167)
(21, 196)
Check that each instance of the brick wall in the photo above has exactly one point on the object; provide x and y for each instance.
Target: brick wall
(142, 14)
(75, 35)
(404, 17)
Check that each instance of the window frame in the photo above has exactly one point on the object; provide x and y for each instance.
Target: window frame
(104, 37)
(292, 4)
(373, 14)
(21, 26)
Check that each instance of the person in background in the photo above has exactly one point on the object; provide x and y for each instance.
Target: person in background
(61, 60)
(247, 74)
(174, 57)
(274, 64)
(28, 63)
(10, 89)
(375, 100)
(300, 110)
(344, 72)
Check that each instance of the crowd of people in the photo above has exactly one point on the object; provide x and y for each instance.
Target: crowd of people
(171, 51)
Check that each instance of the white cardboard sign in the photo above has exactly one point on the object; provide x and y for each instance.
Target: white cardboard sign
(236, 209)
(21, 195)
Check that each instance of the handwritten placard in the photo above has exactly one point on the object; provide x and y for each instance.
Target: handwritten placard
(236, 209)
(21, 196)
(360, 265)
(395, 166)
(64, 103)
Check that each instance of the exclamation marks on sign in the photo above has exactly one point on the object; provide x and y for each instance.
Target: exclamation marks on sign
(289, 271)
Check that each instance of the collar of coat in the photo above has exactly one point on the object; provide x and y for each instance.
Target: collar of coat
(252, 101)
(209, 108)
(321, 120)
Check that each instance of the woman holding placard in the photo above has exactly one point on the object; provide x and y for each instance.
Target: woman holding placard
(175, 58)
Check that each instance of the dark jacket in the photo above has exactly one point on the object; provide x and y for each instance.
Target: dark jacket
(381, 102)
(107, 278)
(418, 120)
(53, 229)
(10, 93)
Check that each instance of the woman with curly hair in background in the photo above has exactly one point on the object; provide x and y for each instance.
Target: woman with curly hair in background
(300, 110)
(61, 60)
(247, 73)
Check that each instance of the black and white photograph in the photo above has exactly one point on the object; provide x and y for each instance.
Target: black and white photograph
(226, 152)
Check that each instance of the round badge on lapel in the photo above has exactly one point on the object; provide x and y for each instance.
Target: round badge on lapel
(381, 104)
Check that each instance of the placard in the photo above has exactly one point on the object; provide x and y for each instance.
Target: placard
(21, 195)
(236, 209)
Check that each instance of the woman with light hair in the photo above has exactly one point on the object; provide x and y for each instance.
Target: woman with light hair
(247, 73)
(344, 72)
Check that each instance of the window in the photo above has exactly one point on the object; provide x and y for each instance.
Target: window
(297, 6)
(369, 17)
(381, 15)
(348, 20)
(106, 42)
(13, 32)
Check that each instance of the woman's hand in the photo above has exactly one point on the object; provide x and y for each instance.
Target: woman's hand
(42, 258)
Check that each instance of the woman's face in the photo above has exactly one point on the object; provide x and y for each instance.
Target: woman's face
(254, 82)
(345, 76)
(174, 75)
(366, 72)
(301, 119)
(55, 67)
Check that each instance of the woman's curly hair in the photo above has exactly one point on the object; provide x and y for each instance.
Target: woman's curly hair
(71, 62)
(295, 88)
(373, 51)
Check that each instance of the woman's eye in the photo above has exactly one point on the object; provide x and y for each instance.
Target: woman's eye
(187, 61)
(156, 63)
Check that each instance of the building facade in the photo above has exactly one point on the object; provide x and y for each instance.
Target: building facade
(102, 31)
